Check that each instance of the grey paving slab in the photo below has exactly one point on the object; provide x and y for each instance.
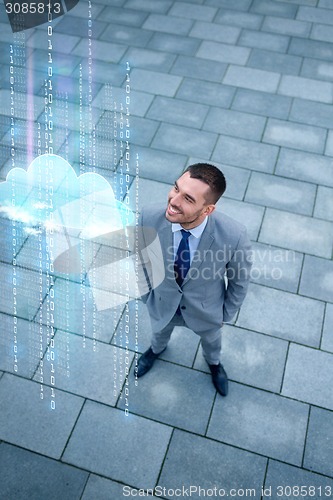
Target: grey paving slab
(276, 267)
(325, 4)
(250, 358)
(160, 393)
(126, 35)
(27, 299)
(311, 48)
(200, 68)
(19, 110)
(303, 2)
(199, 12)
(286, 26)
(8, 227)
(312, 113)
(160, 165)
(240, 5)
(327, 340)
(105, 489)
(184, 140)
(281, 478)
(104, 72)
(313, 384)
(22, 135)
(235, 123)
(329, 144)
(149, 59)
(246, 154)
(139, 101)
(314, 68)
(127, 16)
(322, 286)
(149, 5)
(223, 52)
(297, 232)
(279, 192)
(168, 24)
(235, 18)
(176, 44)
(315, 15)
(295, 135)
(237, 178)
(204, 92)
(80, 10)
(255, 79)
(178, 111)
(36, 82)
(78, 26)
(262, 103)
(189, 462)
(282, 63)
(318, 451)
(282, 314)
(87, 368)
(299, 165)
(20, 346)
(142, 130)
(306, 88)
(250, 215)
(105, 51)
(28, 421)
(127, 436)
(211, 31)
(275, 9)
(261, 422)
(322, 32)
(28, 475)
(63, 43)
(64, 64)
(154, 82)
(268, 41)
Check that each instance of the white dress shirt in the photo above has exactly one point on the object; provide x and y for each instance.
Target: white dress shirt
(193, 239)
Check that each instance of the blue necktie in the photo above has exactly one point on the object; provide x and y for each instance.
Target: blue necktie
(182, 260)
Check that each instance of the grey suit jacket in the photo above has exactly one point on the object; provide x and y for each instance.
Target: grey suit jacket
(217, 281)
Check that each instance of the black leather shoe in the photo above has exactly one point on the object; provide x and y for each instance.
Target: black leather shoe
(146, 362)
(220, 379)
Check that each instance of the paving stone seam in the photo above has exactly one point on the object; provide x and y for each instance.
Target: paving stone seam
(306, 436)
(165, 457)
(285, 366)
(72, 430)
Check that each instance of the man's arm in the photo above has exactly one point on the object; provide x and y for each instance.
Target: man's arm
(238, 276)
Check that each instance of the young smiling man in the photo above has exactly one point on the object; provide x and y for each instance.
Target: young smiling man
(207, 262)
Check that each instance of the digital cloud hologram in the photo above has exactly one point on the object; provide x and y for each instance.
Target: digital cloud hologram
(93, 234)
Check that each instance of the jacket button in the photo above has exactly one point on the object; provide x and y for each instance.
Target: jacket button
(183, 307)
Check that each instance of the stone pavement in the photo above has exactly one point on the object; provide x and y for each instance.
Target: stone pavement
(247, 85)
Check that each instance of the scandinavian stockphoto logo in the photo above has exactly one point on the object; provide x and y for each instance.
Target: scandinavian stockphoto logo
(23, 15)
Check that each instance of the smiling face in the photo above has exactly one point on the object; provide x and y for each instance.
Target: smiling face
(188, 202)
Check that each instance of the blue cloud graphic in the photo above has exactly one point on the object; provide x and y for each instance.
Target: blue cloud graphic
(50, 193)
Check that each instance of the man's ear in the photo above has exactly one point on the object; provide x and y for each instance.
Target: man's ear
(209, 209)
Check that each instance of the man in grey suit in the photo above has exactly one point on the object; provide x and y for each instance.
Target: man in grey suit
(207, 260)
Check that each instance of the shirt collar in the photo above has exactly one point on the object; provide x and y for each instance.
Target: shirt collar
(195, 231)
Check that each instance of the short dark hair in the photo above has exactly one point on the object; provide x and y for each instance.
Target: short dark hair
(211, 175)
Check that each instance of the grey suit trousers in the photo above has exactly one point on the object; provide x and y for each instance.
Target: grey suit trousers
(210, 340)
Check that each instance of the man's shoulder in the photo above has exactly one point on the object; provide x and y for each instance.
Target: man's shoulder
(153, 214)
